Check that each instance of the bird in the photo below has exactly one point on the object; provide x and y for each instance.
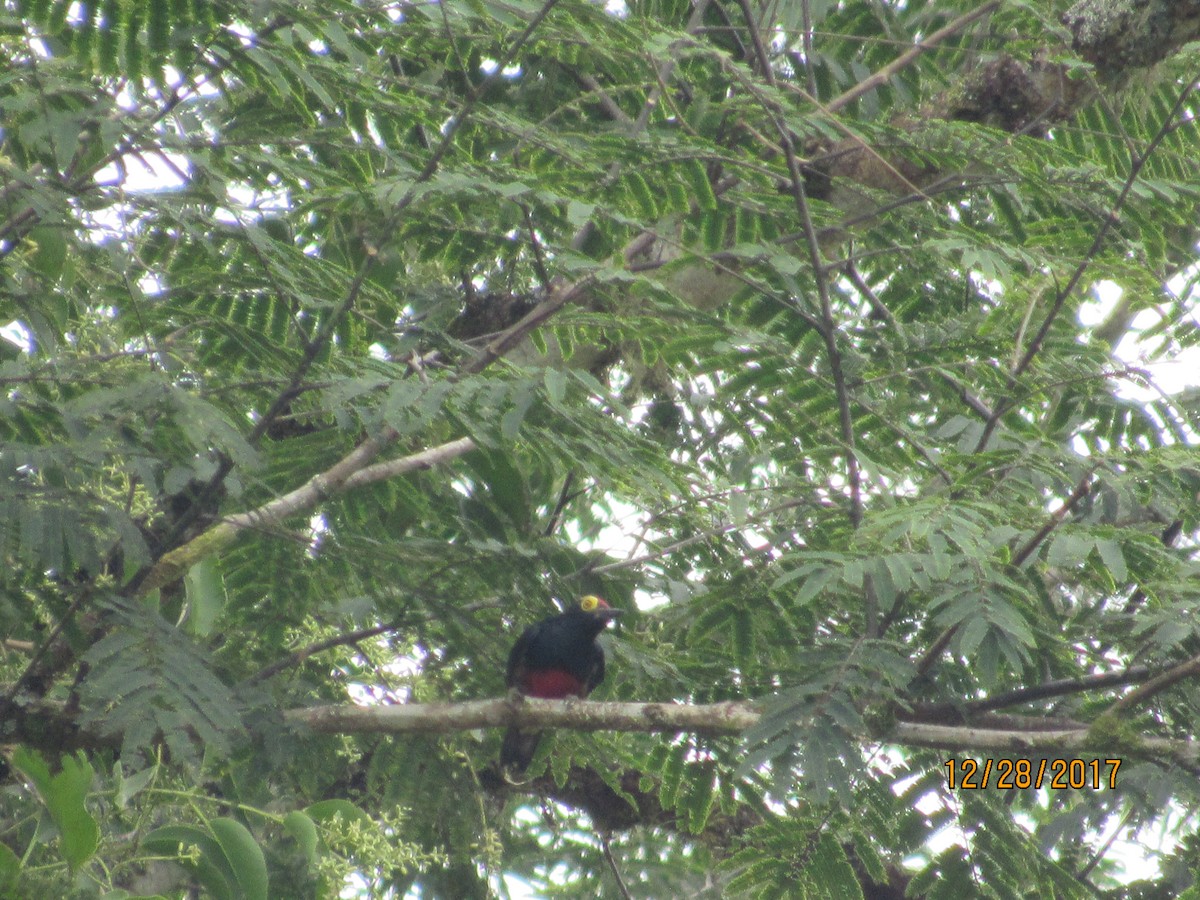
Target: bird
(555, 658)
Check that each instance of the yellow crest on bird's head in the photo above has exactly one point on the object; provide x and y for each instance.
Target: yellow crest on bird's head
(591, 603)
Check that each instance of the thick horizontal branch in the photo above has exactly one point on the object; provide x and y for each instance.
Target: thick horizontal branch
(728, 718)
(53, 726)
(709, 718)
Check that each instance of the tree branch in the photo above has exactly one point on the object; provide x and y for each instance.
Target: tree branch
(559, 297)
(1046, 690)
(1059, 743)
(351, 471)
(1156, 685)
(1081, 490)
(909, 56)
(730, 717)
(828, 330)
(1137, 162)
(727, 718)
(300, 654)
(328, 324)
(53, 726)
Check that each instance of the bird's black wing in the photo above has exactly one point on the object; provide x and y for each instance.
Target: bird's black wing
(518, 747)
(595, 673)
(517, 657)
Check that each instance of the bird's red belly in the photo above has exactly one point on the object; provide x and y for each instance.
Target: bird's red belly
(552, 684)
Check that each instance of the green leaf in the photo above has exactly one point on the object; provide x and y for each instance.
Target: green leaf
(49, 255)
(10, 869)
(150, 682)
(130, 786)
(697, 179)
(671, 776)
(205, 592)
(971, 636)
(324, 810)
(211, 865)
(1068, 549)
(64, 793)
(640, 190)
(580, 213)
(245, 856)
(832, 870)
(556, 386)
(1113, 558)
(698, 801)
(304, 830)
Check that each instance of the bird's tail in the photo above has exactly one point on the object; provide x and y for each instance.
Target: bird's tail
(518, 748)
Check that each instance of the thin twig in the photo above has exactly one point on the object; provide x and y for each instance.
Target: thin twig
(607, 103)
(696, 538)
(1136, 163)
(638, 125)
(539, 256)
(668, 66)
(351, 637)
(564, 497)
(30, 667)
(1168, 537)
(1060, 687)
(806, 41)
(828, 334)
(510, 337)
(878, 307)
(1138, 696)
(1081, 490)
(612, 865)
(976, 405)
(828, 329)
(1103, 849)
(909, 57)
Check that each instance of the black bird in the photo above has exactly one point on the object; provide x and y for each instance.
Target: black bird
(556, 658)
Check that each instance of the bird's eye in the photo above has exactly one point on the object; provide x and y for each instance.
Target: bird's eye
(589, 603)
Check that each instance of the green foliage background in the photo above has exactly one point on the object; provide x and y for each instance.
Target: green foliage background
(832, 401)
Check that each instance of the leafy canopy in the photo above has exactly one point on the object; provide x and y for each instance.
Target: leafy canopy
(341, 338)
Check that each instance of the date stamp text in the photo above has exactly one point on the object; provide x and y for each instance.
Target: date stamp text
(1056, 774)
